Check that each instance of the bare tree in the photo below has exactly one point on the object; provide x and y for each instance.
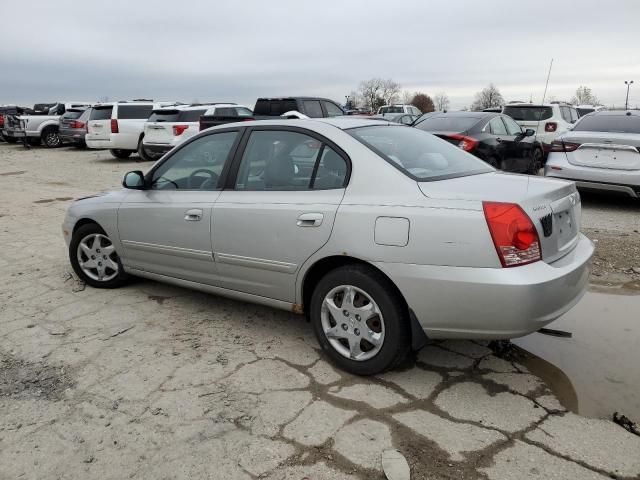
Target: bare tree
(584, 96)
(390, 91)
(487, 98)
(407, 96)
(441, 101)
(423, 102)
(370, 91)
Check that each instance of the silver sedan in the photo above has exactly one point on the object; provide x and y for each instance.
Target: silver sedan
(382, 234)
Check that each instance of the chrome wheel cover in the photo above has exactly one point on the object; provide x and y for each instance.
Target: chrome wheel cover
(97, 257)
(352, 323)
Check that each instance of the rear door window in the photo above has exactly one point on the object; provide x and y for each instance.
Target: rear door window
(332, 109)
(137, 112)
(312, 108)
(496, 126)
(574, 114)
(527, 113)
(101, 113)
(512, 127)
(243, 112)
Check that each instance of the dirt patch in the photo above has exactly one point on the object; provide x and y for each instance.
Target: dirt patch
(23, 379)
(617, 257)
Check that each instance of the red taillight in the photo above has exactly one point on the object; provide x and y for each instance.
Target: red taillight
(465, 143)
(514, 235)
(114, 126)
(560, 146)
(1, 120)
(179, 129)
(76, 124)
(550, 127)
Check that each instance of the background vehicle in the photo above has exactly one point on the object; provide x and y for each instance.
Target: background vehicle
(586, 109)
(493, 110)
(312, 107)
(119, 126)
(41, 128)
(403, 118)
(547, 120)
(395, 109)
(309, 190)
(170, 126)
(602, 152)
(73, 126)
(495, 138)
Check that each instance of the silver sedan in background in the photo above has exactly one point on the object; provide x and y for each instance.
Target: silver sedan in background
(382, 234)
(601, 152)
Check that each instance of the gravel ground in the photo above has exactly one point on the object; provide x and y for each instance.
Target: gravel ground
(154, 381)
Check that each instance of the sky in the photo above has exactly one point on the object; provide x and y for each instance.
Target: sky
(231, 50)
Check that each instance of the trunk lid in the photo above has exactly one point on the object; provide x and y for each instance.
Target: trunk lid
(611, 150)
(552, 205)
(99, 124)
(159, 128)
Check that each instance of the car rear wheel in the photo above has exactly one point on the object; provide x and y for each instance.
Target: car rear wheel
(142, 153)
(94, 258)
(120, 153)
(50, 138)
(360, 320)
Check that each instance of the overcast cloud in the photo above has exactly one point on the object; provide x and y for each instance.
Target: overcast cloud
(232, 50)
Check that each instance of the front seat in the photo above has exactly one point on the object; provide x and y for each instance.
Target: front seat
(279, 173)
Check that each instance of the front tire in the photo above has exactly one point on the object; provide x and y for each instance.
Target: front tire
(360, 320)
(122, 154)
(94, 258)
(50, 138)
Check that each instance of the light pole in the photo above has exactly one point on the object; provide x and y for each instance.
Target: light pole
(347, 102)
(626, 103)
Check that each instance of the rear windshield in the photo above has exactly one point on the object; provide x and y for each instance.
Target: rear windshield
(527, 113)
(190, 115)
(418, 154)
(164, 116)
(130, 112)
(274, 107)
(72, 114)
(101, 113)
(384, 110)
(447, 124)
(609, 123)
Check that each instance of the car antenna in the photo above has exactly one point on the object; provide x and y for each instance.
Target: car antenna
(544, 96)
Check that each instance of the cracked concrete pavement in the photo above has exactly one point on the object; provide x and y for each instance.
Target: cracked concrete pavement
(154, 381)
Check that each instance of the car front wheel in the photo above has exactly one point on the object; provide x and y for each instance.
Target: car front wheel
(94, 258)
(118, 153)
(360, 320)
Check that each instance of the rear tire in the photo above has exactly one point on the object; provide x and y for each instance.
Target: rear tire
(343, 329)
(122, 154)
(50, 137)
(101, 266)
(142, 153)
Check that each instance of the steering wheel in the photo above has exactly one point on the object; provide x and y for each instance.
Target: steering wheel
(212, 180)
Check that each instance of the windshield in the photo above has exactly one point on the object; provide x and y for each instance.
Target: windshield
(609, 123)
(528, 113)
(419, 154)
(444, 123)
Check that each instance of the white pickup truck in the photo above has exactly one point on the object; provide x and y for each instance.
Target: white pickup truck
(40, 128)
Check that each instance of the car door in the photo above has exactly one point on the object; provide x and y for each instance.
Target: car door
(131, 120)
(520, 148)
(499, 139)
(166, 228)
(99, 124)
(279, 210)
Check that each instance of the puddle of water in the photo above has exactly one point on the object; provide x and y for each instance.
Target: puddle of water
(597, 371)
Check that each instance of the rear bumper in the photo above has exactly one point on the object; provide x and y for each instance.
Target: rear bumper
(11, 133)
(72, 136)
(492, 303)
(592, 178)
(157, 150)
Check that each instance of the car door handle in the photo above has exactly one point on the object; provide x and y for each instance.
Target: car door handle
(194, 215)
(310, 220)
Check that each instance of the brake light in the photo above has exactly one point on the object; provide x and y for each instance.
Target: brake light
(513, 234)
(179, 129)
(550, 127)
(1, 120)
(114, 126)
(561, 146)
(465, 143)
(76, 124)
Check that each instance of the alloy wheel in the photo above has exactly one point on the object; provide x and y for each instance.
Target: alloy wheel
(97, 257)
(352, 322)
(52, 139)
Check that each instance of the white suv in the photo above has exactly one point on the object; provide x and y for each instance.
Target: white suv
(394, 109)
(168, 127)
(119, 126)
(548, 120)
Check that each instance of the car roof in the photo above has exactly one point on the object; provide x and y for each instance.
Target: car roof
(615, 113)
(296, 98)
(467, 114)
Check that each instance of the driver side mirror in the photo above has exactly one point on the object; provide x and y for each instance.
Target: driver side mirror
(529, 132)
(134, 180)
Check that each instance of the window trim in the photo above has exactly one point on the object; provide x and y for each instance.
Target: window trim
(230, 179)
(222, 181)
